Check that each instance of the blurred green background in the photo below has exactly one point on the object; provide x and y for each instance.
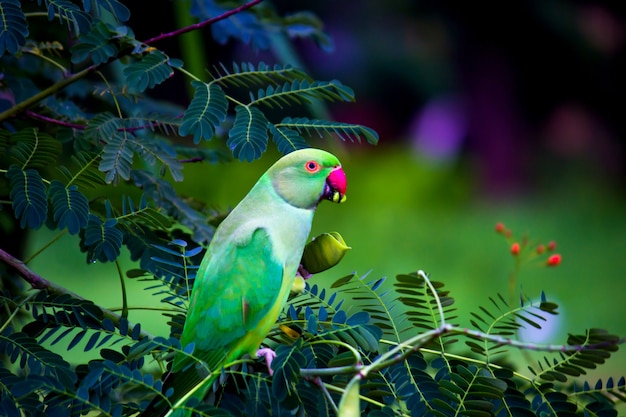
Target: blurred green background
(508, 113)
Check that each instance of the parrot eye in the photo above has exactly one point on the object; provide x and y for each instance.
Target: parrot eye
(312, 166)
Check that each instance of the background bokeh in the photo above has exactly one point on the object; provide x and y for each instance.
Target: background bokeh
(510, 112)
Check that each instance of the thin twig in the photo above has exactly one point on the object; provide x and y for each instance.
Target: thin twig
(204, 23)
(24, 105)
(38, 282)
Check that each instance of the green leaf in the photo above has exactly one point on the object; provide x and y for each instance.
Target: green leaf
(152, 69)
(286, 139)
(345, 131)
(13, 27)
(101, 240)
(28, 195)
(248, 137)
(67, 12)
(97, 44)
(70, 207)
(165, 197)
(154, 151)
(302, 91)
(101, 127)
(34, 149)
(205, 113)
(87, 174)
(117, 158)
(116, 8)
(39, 360)
(247, 75)
(286, 366)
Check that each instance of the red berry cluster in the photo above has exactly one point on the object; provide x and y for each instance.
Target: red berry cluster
(530, 250)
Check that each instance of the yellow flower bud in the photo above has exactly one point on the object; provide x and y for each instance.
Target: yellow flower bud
(298, 285)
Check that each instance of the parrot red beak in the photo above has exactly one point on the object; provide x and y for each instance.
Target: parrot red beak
(335, 189)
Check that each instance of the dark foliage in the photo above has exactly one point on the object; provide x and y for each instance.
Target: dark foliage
(72, 128)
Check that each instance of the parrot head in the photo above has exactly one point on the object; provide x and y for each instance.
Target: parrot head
(305, 177)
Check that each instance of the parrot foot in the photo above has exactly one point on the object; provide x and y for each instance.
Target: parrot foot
(269, 356)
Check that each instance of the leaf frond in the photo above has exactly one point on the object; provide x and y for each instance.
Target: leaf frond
(29, 196)
(33, 149)
(248, 137)
(247, 75)
(345, 131)
(301, 92)
(13, 27)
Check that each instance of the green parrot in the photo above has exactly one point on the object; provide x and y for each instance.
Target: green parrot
(248, 270)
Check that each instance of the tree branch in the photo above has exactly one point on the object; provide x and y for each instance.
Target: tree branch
(199, 25)
(38, 282)
(22, 106)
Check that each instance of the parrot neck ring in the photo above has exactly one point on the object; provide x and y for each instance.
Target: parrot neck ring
(335, 188)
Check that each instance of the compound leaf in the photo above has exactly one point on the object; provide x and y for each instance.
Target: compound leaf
(34, 149)
(248, 137)
(13, 27)
(101, 240)
(96, 43)
(70, 207)
(152, 69)
(28, 194)
(205, 113)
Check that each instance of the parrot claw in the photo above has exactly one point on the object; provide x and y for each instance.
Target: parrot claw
(269, 356)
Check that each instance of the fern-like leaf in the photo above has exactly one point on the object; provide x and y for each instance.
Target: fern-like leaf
(379, 303)
(166, 198)
(248, 137)
(205, 113)
(287, 140)
(173, 270)
(414, 385)
(133, 217)
(106, 378)
(117, 9)
(13, 27)
(157, 265)
(86, 175)
(11, 404)
(592, 349)
(286, 366)
(70, 207)
(152, 69)
(34, 358)
(154, 151)
(64, 310)
(103, 126)
(28, 195)
(34, 149)
(77, 20)
(416, 294)
(246, 75)
(101, 240)
(117, 158)
(506, 321)
(602, 394)
(97, 44)
(471, 389)
(302, 91)
(345, 131)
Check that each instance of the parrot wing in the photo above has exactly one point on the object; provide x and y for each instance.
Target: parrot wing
(228, 315)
